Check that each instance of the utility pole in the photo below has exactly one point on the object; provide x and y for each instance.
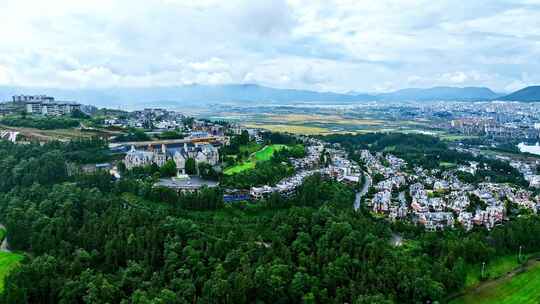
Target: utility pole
(483, 269)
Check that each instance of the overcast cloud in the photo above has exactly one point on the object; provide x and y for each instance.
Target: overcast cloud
(339, 45)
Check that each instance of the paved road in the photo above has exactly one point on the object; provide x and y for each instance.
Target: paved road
(397, 240)
(166, 142)
(363, 191)
(4, 247)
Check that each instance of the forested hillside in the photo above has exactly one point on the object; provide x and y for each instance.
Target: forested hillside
(89, 239)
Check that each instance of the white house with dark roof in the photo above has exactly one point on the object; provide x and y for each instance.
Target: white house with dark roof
(204, 153)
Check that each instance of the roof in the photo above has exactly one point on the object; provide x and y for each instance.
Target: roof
(192, 183)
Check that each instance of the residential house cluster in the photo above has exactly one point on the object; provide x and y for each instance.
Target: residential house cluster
(528, 170)
(312, 158)
(156, 119)
(305, 167)
(390, 167)
(341, 169)
(438, 199)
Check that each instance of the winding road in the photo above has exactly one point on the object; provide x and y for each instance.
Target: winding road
(4, 247)
(363, 191)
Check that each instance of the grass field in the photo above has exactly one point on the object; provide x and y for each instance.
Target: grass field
(494, 269)
(267, 152)
(447, 164)
(8, 261)
(263, 154)
(522, 288)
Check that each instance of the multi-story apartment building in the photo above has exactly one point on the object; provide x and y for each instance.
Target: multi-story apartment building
(44, 105)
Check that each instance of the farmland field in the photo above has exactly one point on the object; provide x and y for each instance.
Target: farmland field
(296, 129)
(519, 287)
(8, 261)
(324, 119)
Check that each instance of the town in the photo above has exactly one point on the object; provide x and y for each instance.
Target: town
(437, 199)
(433, 198)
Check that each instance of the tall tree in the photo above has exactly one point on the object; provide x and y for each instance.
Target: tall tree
(191, 166)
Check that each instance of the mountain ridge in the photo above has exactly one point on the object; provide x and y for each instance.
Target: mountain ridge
(441, 93)
(197, 94)
(190, 94)
(527, 94)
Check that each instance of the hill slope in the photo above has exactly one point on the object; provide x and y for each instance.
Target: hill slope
(529, 94)
(241, 93)
(183, 95)
(441, 93)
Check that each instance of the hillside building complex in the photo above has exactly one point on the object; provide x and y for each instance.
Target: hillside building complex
(45, 105)
(201, 153)
(39, 105)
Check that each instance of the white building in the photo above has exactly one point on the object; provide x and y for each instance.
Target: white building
(201, 153)
(45, 105)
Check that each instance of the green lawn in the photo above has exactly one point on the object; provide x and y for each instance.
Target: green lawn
(240, 168)
(494, 269)
(266, 153)
(447, 164)
(263, 154)
(521, 288)
(8, 261)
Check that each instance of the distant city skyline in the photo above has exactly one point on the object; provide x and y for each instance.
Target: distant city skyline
(340, 45)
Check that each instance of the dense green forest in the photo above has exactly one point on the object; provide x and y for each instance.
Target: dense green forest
(90, 239)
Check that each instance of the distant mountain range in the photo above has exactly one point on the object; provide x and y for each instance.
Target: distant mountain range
(441, 93)
(185, 95)
(528, 94)
(246, 93)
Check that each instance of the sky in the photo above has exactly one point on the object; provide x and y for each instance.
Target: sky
(327, 45)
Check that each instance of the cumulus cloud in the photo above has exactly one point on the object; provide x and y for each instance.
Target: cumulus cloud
(341, 45)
